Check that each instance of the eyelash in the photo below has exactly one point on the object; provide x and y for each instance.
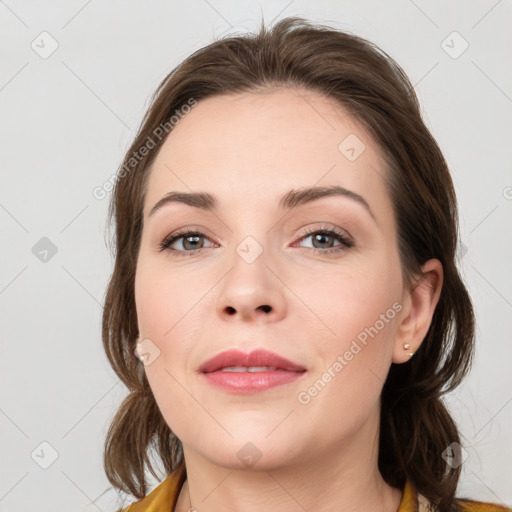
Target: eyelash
(345, 242)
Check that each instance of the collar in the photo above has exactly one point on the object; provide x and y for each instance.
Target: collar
(165, 496)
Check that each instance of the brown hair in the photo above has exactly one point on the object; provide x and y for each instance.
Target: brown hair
(415, 425)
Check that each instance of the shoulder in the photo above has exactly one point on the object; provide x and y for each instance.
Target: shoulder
(466, 505)
(412, 501)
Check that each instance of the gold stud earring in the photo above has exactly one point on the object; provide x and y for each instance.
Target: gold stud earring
(407, 347)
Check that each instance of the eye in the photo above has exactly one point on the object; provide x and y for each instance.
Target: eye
(187, 241)
(324, 240)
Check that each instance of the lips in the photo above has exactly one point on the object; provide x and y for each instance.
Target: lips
(255, 361)
(235, 372)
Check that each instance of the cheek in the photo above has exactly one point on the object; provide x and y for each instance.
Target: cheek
(343, 303)
(166, 302)
(351, 364)
(166, 315)
(355, 322)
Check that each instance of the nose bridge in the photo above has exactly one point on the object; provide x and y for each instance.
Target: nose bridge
(250, 289)
(249, 262)
(250, 234)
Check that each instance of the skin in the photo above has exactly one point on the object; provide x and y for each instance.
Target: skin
(249, 150)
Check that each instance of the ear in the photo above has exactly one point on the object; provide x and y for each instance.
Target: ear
(419, 306)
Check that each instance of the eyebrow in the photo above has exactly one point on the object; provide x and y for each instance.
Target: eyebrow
(292, 199)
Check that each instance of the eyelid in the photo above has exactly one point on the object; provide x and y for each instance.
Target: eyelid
(183, 233)
(346, 241)
(329, 228)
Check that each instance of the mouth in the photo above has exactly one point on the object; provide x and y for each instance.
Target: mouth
(237, 372)
(247, 369)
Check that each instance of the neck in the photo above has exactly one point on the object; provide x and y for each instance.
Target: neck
(338, 480)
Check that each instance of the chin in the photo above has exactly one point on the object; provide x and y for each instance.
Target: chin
(252, 451)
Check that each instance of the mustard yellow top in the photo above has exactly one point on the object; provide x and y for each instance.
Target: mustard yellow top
(163, 498)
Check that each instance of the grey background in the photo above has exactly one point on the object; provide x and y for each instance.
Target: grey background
(66, 121)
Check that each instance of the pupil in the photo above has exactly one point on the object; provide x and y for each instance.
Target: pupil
(319, 236)
(195, 238)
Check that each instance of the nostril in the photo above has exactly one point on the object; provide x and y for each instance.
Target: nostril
(265, 308)
(230, 310)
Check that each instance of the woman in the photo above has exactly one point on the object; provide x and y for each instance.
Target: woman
(285, 307)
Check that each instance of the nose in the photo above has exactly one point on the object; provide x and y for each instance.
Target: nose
(251, 292)
(245, 312)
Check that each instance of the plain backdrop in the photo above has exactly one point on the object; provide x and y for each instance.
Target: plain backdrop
(75, 80)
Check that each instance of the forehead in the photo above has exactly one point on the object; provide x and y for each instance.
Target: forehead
(250, 148)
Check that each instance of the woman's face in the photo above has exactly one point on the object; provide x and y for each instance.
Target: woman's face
(260, 276)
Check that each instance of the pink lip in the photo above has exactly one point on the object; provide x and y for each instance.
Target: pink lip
(248, 382)
(258, 357)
